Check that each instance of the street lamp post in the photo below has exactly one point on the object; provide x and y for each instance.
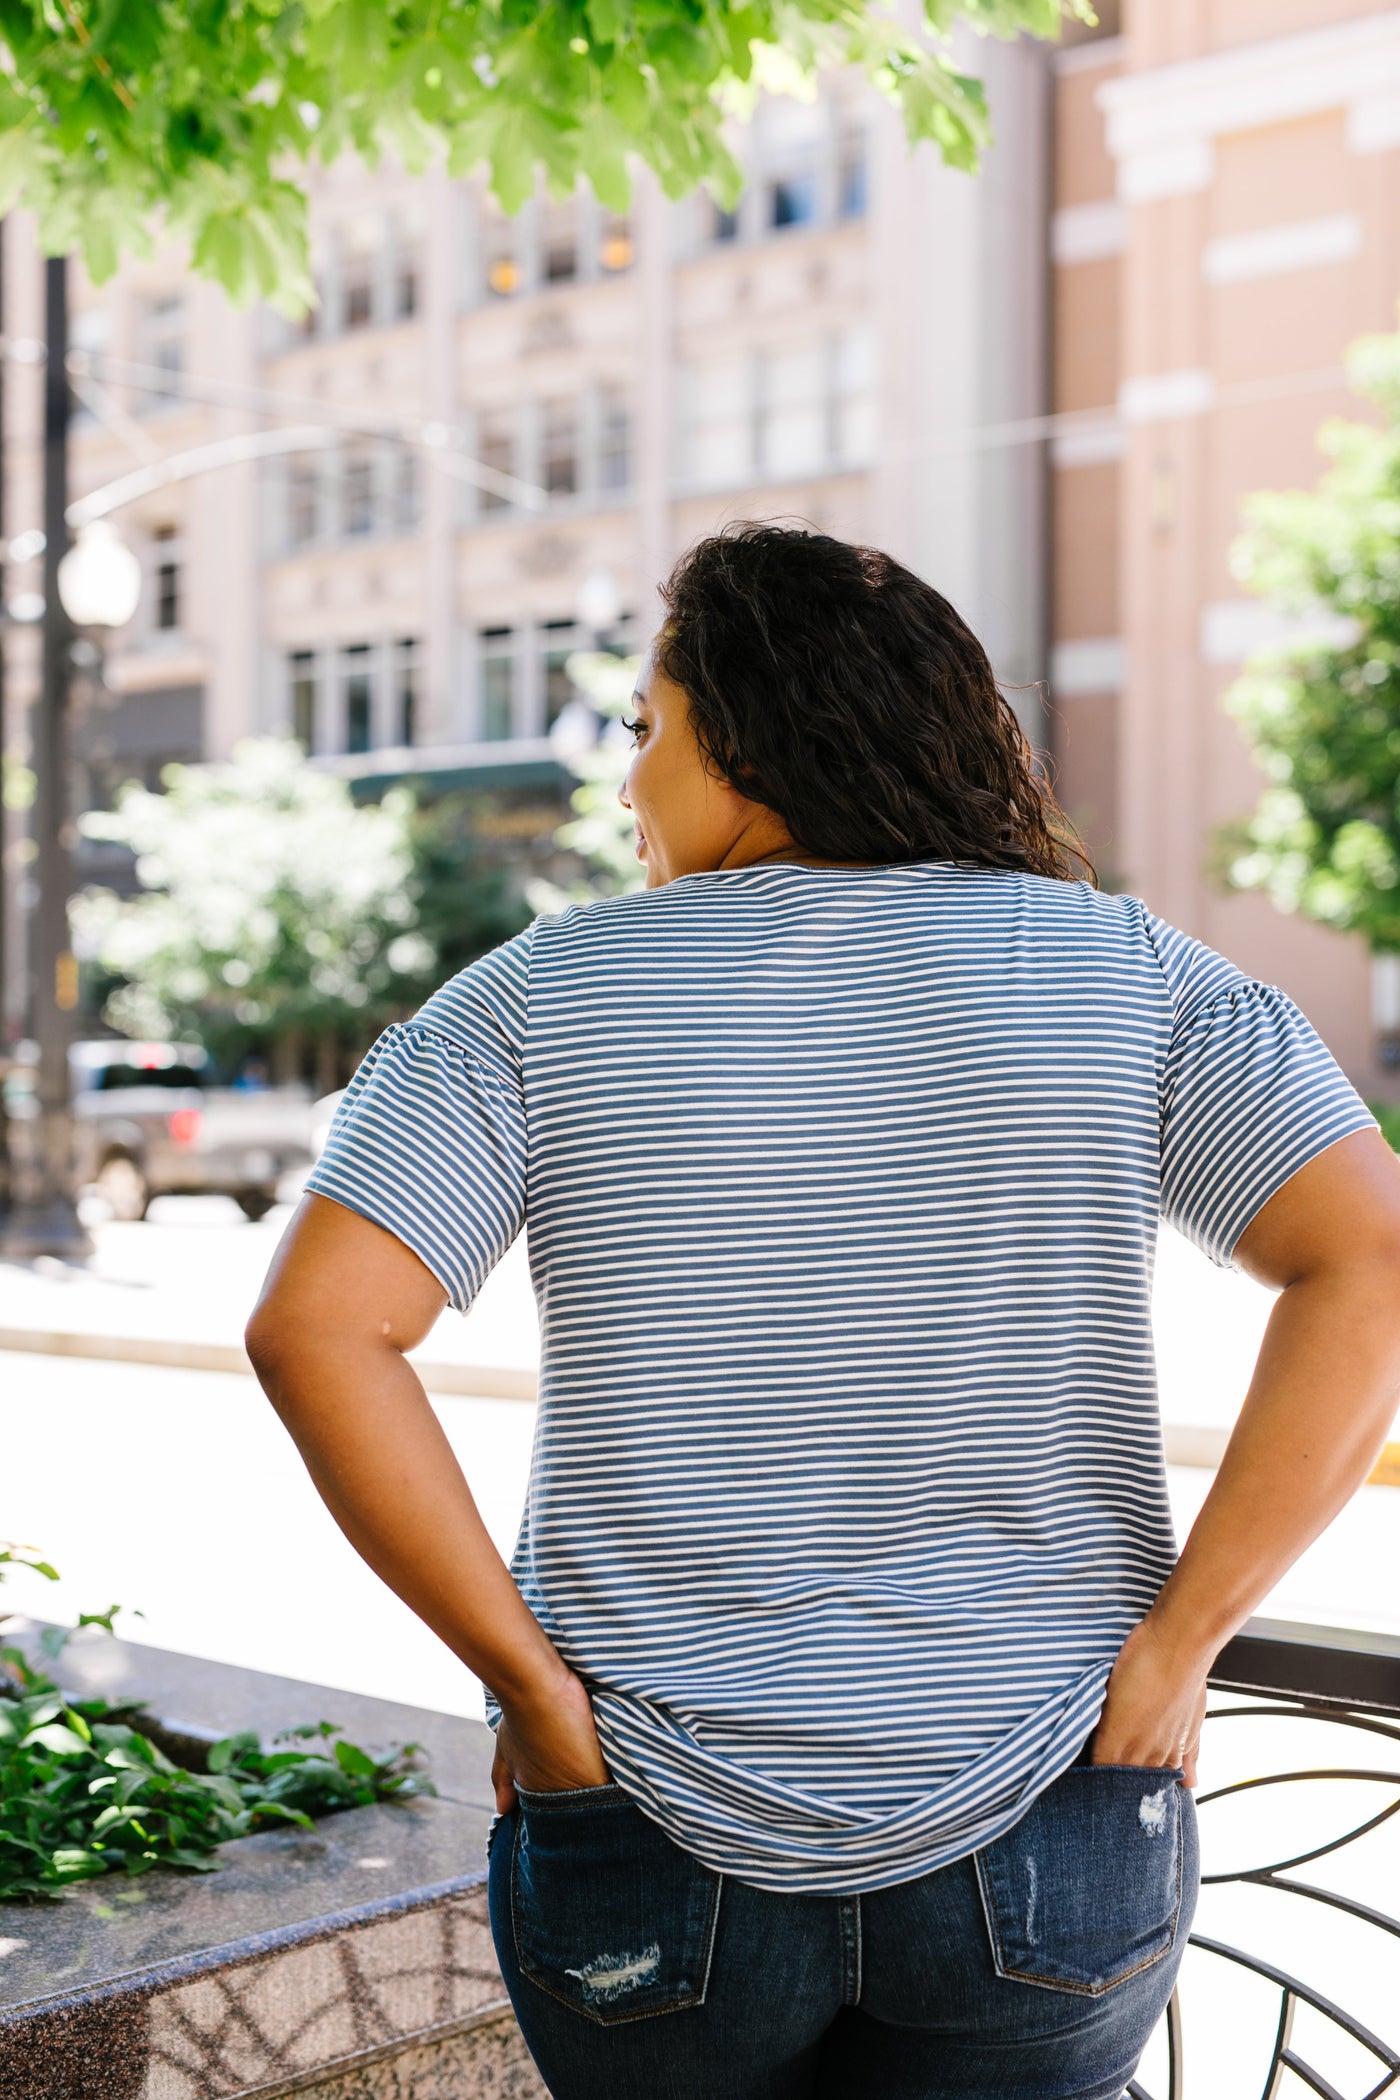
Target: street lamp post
(93, 584)
(45, 1218)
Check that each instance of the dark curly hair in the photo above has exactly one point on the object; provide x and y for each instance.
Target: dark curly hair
(828, 682)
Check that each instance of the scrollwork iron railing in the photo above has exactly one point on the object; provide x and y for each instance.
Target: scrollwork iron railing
(1257, 2009)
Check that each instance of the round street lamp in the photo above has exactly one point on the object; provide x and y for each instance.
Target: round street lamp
(99, 578)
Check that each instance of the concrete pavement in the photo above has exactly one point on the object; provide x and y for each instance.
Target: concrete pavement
(176, 1292)
(190, 1501)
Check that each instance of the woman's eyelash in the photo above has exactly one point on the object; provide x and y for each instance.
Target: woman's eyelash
(633, 727)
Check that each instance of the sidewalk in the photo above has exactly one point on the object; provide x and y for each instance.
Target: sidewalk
(172, 1486)
(177, 1291)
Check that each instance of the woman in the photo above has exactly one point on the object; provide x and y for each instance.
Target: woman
(847, 1679)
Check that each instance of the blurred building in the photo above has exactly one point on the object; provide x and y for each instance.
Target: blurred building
(1047, 389)
(1226, 221)
(816, 353)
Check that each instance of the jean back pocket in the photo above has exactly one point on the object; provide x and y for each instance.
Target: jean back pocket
(609, 1916)
(1085, 1891)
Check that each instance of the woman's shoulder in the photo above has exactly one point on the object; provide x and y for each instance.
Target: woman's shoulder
(483, 1008)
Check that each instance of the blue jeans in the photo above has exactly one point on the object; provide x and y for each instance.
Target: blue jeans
(1034, 1970)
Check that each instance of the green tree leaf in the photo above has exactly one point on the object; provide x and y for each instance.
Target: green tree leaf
(115, 117)
(1322, 713)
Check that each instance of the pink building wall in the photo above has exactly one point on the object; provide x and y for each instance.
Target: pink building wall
(1227, 221)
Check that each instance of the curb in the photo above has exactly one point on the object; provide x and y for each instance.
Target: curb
(1185, 1443)
(476, 1381)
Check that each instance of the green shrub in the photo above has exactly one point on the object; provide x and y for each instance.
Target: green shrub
(84, 1792)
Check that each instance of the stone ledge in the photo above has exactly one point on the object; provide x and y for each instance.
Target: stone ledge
(312, 1960)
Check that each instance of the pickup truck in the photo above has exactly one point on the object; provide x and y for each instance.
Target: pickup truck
(149, 1121)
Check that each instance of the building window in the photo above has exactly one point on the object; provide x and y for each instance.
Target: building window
(852, 177)
(303, 502)
(559, 243)
(616, 250)
(853, 398)
(497, 684)
(559, 447)
(718, 437)
(792, 200)
(406, 670)
(167, 595)
(502, 272)
(614, 439)
(301, 686)
(408, 489)
(495, 448)
(357, 279)
(307, 326)
(791, 141)
(161, 339)
(559, 688)
(406, 285)
(724, 225)
(792, 430)
(357, 495)
(359, 697)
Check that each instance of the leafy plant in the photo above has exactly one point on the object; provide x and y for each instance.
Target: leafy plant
(465, 886)
(275, 909)
(1387, 1114)
(84, 1792)
(1323, 712)
(114, 116)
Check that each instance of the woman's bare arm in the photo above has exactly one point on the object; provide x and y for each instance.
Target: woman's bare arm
(342, 1303)
(1318, 1410)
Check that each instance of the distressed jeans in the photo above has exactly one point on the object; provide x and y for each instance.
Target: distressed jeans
(1036, 1969)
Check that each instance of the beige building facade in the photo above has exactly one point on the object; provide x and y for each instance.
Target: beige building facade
(1226, 222)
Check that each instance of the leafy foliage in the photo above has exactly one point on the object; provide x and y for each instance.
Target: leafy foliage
(84, 1792)
(82, 1795)
(116, 112)
(1323, 713)
(466, 897)
(1387, 1114)
(270, 903)
(273, 905)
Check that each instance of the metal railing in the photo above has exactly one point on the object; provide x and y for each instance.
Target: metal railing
(1347, 1685)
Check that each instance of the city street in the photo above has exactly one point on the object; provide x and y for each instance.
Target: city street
(190, 1504)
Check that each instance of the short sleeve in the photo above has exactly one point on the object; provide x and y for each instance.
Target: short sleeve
(1249, 1094)
(430, 1138)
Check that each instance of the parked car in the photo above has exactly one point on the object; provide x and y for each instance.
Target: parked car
(150, 1121)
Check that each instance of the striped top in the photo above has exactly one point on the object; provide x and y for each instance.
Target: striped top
(842, 1189)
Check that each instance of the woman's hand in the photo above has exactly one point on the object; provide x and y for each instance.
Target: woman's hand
(1154, 1706)
(548, 1744)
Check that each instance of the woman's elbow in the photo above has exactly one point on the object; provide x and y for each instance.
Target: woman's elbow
(271, 1339)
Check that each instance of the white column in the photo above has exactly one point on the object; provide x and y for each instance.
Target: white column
(957, 266)
(330, 701)
(652, 404)
(440, 707)
(223, 539)
(1013, 364)
(529, 680)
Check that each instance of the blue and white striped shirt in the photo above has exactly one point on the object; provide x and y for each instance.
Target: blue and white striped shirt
(842, 1189)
